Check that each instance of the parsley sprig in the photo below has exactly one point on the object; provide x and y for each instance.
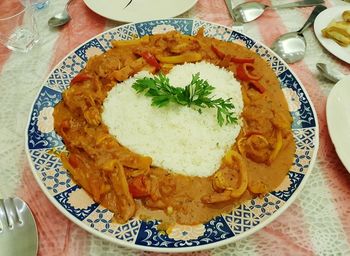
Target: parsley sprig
(196, 93)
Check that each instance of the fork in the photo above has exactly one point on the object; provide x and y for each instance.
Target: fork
(18, 231)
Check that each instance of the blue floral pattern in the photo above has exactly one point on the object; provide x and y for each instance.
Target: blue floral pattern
(302, 161)
(36, 139)
(212, 30)
(50, 170)
(215, 230)
(186, 232)
(44, 160)
(42, 144)
(305, 138)
(238, 37)
(56, 180)
(182, 25)
(303, 118)
(241, 219)
(102, 220)
(128, 231)
(295, 179)
(264, 207)
(126, 32)
(79, 213)
(58, 80)
(276, 64)
(72, 65)
(94, 43)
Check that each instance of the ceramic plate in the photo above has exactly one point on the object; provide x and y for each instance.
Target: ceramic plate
(338, 119)
(139, 10)
(322, 21)
(75, 203)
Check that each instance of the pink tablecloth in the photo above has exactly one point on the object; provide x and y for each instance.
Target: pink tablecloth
(318, 223)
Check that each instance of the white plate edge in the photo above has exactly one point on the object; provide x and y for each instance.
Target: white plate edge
(132, 21)
(331, 129)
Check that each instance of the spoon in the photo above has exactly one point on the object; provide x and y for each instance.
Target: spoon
(331, 74)
(292, 46)
(60, 18)
(250, 11)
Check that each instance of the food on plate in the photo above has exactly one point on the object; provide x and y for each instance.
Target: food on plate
(339, 31)
(175, 127)
(346, 16)
(180, 130)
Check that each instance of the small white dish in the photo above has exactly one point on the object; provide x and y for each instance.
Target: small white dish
(322, 21)
(139, 10)
(338, 119)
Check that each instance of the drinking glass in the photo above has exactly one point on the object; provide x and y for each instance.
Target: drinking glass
(18, 30)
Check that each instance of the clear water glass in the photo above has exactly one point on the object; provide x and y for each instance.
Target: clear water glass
(18, 30)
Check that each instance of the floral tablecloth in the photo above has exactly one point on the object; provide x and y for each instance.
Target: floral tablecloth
(318, 223)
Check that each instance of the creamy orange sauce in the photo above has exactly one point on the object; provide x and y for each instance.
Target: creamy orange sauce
(110, 172)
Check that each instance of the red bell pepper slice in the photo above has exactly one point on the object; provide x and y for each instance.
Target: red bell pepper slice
(150, 59)
(74, 160)
(81, 77)
(218, 52)
(242, 60)
(64, 127)
(139, 186)
(244, 72)
(258, 86)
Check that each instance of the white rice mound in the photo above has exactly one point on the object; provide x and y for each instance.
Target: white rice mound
(178, 138)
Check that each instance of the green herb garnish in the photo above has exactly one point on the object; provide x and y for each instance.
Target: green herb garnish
(197, 93)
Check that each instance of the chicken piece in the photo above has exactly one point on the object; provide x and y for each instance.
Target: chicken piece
(125, 203)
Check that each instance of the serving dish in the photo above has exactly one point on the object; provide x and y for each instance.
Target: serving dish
(135, 10)
(42, 142)
(338, 119)
(322, 21)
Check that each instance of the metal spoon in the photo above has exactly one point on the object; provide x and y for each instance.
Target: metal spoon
(292, 46)
(329, 73)
(250, 11)
(60, 18)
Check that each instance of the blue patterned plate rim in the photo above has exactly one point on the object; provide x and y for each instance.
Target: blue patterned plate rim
(266, 219)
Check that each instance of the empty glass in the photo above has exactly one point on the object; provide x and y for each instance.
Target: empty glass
(18, 30)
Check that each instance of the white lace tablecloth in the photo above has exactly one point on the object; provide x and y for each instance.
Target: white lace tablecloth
(318, 223)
